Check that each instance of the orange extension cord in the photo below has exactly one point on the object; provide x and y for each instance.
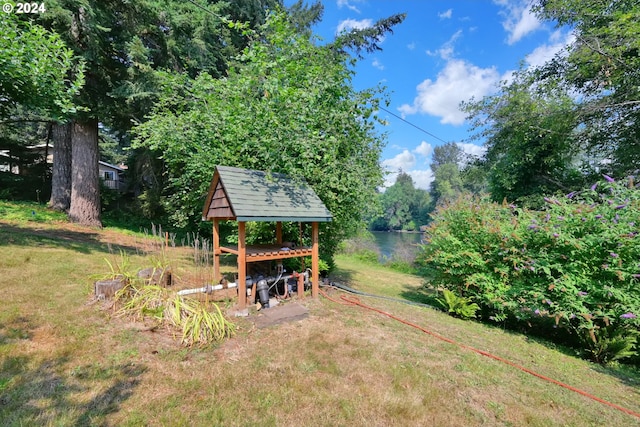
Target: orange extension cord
(355, 301)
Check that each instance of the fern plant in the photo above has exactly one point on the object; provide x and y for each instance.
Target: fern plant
(457, 305)
(612, 345)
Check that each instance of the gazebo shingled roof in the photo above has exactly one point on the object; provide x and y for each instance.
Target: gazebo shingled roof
(251, 195)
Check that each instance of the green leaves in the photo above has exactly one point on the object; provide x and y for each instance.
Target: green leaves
(287, 106)
(404, 206)
(576, 115)
(37, 70)
(457, 305)
(572, 265)
(530, 139)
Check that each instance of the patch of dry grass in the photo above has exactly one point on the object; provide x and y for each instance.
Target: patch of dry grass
(66, 361)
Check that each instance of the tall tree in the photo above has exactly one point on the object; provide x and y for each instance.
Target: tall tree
(84, 180)
(529, 131)
(576, 115)
(446, 162)
(61, 172)
(399, 203)
(601, 70)
(449, 153)
(97, 32)
(447, 183)
(288, 106)
(122, 43)
(39, 79)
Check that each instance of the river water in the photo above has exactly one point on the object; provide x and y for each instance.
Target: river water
(388, 241)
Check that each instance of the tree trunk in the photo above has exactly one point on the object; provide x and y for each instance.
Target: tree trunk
(85, 182)
(61, 173)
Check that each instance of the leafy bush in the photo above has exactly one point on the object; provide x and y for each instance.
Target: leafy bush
(574, 266)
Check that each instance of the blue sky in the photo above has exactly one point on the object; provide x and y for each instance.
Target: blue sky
(443, 53)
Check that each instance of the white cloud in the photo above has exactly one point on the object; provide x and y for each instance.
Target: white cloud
(348, 4)
(472, 149)
(447, 50)
(556, 36)
(404, 161)
(546, 52)
(446, 14)
(424, 149)
(350, 24)
(458, 81)
(377, 64)
(422, 178)
(519, 19)
(411, 46)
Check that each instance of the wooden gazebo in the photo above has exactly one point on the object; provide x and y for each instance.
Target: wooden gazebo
(249, 195)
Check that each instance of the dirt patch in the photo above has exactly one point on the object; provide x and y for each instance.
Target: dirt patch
(284, 312)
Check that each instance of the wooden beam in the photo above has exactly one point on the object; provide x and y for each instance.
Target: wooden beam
(315, 259)
(228, 250)
(279, 232)
(216, 250)
(301, 286)
(242, 266)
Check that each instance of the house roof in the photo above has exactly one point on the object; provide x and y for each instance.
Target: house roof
(251, 195)
(110, 166)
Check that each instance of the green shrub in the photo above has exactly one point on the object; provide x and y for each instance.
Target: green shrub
(573, 266)
(457, 305)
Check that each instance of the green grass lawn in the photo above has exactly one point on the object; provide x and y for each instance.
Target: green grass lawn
(67, 360)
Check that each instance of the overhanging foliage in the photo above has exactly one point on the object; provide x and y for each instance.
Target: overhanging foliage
(287, 106)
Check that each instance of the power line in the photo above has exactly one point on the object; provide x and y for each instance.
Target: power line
(208, 11)
(415, 126)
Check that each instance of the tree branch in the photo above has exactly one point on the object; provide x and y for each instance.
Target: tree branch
(10, 121)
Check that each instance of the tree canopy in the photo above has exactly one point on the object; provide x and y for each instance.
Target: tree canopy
(601, 68)
(37, 70)
(286, 106)
(554, 127)
(404, 207)
(530, 138)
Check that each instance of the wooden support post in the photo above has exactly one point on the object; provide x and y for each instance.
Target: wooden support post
(315, 259)
(301, 286)
(301, 244)
(300, 241)
(242, 267)
(279, 232)
(216, 250)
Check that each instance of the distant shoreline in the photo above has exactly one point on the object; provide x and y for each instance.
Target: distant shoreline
(397, 231)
